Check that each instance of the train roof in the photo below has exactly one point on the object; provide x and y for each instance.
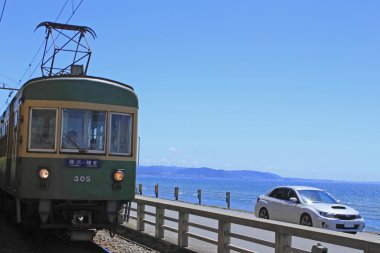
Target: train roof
(77, 77)
(79, 88)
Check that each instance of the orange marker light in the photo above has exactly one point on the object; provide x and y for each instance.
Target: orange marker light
(118, 176)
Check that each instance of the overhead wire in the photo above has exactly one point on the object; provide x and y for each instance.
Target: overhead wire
(2, 12)
(7, 77)
(59, 14)
(38, 51)
(72, 14)
(30, 64)
(1, 18)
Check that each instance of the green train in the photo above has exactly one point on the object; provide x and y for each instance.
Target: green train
(68, 152)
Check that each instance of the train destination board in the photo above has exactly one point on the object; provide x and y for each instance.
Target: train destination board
(82, 163)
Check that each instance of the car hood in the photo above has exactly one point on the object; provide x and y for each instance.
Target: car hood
(334, 208)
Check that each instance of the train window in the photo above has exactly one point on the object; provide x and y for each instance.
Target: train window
(15, 119)
(42, 129)
(3, 139)
(121, 134)
(83, 131)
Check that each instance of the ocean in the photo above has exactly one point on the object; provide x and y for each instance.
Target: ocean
(364, 197)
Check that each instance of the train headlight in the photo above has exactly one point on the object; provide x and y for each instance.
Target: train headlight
(43, 173)
(118, 176)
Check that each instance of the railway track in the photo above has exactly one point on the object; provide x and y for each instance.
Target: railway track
(17, 239)
(119, 244)
(149, 242)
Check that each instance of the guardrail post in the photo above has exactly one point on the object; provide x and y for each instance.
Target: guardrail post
(372, 247)
(200, 197)
(140, 189)
(140, 216)
(183, 228)
(176, 192)
(160, 212)
(281, 242)
(228, 199)
(156, 190)
(224, 229)
(319, 249)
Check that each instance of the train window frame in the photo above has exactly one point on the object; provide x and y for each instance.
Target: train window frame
(47, 150)
(130, 134)
(79, 150)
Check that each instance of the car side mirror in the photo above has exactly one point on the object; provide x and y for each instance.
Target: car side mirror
(294, 200)
(338, 201)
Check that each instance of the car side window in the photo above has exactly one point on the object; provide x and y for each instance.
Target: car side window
(289, 193)
(277, 193)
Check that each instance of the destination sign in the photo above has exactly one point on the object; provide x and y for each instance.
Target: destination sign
(82, 163)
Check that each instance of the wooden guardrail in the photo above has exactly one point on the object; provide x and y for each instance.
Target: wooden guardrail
(226, 219)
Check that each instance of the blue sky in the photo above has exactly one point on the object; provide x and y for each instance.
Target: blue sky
(289, 87)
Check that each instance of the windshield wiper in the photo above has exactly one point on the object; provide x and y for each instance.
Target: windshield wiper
(81, 150)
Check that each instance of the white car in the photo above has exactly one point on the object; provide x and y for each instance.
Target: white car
(308, 206)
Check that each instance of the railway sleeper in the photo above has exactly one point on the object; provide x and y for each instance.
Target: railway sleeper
(81, 235)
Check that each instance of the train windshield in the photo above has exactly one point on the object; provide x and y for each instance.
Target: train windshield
(121, 134)
(83, 131)
(42, 129)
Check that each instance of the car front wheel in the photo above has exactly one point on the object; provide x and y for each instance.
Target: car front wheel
(264, 213)
(306, 220)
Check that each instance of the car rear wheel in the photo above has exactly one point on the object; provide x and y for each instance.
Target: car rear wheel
(306, 220)
(264, 213)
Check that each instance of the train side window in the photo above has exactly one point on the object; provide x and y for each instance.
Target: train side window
(3, 140)
(42, 129)
(15, 120)
(121, 134)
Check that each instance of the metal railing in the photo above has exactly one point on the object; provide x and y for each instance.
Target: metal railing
(186, 194)
(227, 239)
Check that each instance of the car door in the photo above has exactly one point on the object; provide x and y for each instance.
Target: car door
(290, 210)
(275, 204)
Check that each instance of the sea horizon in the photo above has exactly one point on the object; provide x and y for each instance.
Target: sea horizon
(227, 170)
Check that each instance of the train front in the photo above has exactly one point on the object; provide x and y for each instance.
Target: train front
(76, 162)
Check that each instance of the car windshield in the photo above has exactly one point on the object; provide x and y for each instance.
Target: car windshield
(315, 196)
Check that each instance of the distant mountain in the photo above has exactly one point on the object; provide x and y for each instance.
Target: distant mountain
(166, 171)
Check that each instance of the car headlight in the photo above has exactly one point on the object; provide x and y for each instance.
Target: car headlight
(358, 216)
(43, 173)
(326, 214)
(118, 176)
